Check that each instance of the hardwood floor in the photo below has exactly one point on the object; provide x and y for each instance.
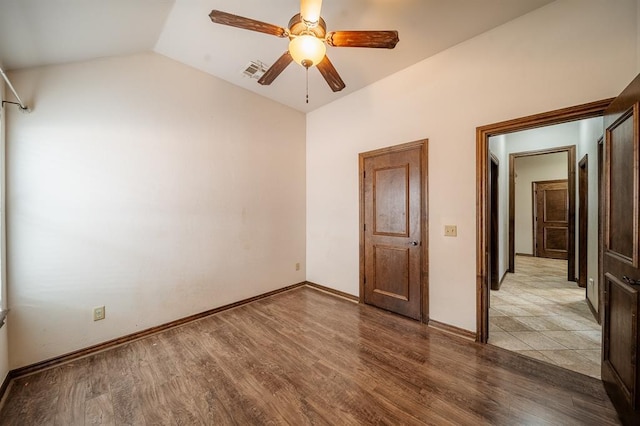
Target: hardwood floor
(306, 357)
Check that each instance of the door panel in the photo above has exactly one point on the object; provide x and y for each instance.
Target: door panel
(620, 371)
(551, 217)
(392, 203)
(620, 147)
(620, 301)
(392, 266)
(555, 239)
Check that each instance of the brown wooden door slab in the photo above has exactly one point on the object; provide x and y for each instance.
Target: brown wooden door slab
(621, 266)
(393, 222)
(551, 219)
(583, 219)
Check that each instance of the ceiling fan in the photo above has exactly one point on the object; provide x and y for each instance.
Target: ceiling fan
(307, 33)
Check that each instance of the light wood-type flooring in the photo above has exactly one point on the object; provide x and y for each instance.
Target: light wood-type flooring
(538, 313)
(306, 357)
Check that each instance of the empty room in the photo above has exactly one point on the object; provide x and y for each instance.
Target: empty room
(286, 212)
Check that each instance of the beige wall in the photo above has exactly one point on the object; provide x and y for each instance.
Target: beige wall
(590, 132)
(4, 343)
(149, 187)
(512, 71)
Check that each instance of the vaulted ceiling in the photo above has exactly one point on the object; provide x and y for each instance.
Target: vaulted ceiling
(42, 32)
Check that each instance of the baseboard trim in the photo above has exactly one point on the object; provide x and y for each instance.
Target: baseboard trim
(81, 353)
(524, 254)
(451, 329)
(593, 311)
(499, 282)
(4, 388)
(332, 291)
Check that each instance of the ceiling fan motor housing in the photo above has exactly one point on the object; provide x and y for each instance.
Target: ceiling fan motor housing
(298, 27)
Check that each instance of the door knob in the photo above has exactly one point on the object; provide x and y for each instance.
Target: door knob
(631, 281)
(414, 243)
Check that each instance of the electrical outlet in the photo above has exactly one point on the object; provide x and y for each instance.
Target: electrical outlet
(298, 266)
(450, 231)
(98, 313)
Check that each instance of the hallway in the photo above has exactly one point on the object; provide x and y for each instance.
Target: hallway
(538, 313)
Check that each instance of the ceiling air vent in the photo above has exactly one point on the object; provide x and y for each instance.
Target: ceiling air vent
(254, 69)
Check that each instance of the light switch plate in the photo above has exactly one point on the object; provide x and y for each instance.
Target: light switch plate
(98, 313)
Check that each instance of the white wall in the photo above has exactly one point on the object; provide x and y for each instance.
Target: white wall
(590, 132)
(512, 71)
(4, 342)
(558, 135)
(528, 170)
(149, 187)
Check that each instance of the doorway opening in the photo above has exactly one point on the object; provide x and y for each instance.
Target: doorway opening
(554, 273)
(545, 223)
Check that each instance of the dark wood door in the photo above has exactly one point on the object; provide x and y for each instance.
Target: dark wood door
(393, 225)
(551, 219)
(583, 219)
(494, 233)
(621, 266)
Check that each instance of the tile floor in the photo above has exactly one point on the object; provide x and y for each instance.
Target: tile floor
(540, 314)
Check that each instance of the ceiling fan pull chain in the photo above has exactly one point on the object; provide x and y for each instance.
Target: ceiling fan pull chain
(307, 84)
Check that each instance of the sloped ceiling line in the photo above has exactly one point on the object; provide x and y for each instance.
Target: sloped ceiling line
(41, 32)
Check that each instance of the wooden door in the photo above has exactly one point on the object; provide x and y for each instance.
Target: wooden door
(601, 197)
(392, 199)
(583, 219)
(494, 232)
(551, 219)
(621, 266)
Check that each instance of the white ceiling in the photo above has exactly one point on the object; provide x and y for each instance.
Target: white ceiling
(40, 32)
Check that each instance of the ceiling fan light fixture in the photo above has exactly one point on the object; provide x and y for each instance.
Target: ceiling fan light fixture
(307, 50)
(310, 12)
(307, 34)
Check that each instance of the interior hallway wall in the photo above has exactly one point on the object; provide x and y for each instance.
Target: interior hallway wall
(590, 132)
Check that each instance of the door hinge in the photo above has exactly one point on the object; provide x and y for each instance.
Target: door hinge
(364, 175)
(365, 280)
(365, 226)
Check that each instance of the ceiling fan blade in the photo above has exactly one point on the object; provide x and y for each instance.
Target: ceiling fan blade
(310, 10)
(330, 74)
(376, 39)
(225, 18)
(274, 71)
